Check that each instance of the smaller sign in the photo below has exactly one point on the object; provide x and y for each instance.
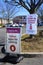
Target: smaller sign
(13, 40)
(31, 25)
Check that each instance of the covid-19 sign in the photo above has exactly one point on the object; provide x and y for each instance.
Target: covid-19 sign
(13, 40)
(31, 24)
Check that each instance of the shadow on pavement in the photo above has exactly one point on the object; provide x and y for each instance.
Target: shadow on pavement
(9, 59)
(15, 60)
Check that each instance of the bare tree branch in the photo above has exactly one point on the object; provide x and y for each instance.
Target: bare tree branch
(13, 13)
(26, 4)
(34, 1)
(23, 4)
(12, 16)
(31, 1)
(38, 3)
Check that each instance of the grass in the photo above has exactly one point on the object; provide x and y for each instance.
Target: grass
(32, 45)
(24, 36)
(1, 25)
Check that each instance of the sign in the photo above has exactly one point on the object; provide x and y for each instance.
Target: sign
(31, 25)
(13, 40)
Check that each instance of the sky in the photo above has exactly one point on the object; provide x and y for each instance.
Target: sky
(22, 11)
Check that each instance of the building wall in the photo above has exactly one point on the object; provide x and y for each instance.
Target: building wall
(19, 19)
(4, 21)
(0, 21)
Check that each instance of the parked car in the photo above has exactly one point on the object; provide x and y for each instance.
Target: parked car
(21, 25)
(8, 25)
(15, 25)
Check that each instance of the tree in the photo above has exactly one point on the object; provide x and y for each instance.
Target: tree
(10, 11)
(40, 13)
(2, 10)
(30, 5)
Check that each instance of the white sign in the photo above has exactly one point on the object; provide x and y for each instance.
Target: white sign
(13, 40)
(31, 26)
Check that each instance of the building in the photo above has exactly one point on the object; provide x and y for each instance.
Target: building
(20, 19)
(4, 21)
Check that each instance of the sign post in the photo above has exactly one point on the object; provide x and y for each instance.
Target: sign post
(31, 26)
(13, 40)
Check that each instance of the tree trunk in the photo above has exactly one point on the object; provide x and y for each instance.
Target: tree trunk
(8, 20)
(32, 11)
